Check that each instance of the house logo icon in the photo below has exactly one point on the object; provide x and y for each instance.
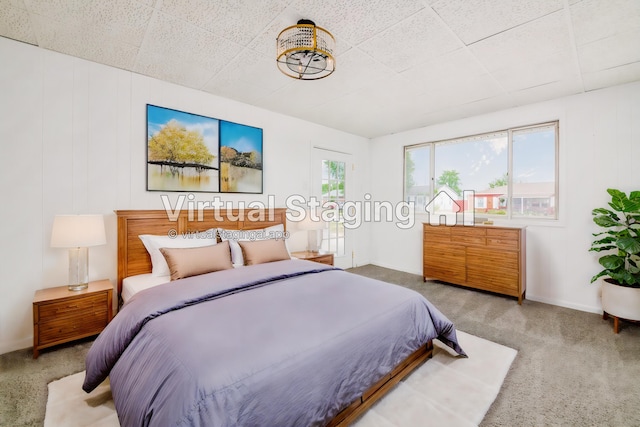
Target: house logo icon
(447, 207)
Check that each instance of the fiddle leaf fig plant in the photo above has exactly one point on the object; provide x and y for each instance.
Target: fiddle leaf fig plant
(621, 240)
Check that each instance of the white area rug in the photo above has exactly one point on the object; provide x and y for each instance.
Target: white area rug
(445, 391)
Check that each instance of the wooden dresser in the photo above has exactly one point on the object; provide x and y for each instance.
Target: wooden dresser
(61, 315)
(490, 258)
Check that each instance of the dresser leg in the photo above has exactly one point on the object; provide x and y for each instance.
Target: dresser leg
(36, 353)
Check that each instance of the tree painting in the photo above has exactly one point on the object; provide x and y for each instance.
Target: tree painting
(176, 147)
(182, 151)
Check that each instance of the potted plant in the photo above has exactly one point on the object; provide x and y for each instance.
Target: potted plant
(620, 290)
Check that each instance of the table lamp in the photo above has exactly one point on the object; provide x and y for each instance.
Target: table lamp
(312, 228)
(78, 232)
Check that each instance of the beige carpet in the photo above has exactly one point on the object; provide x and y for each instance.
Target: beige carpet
(445, 391)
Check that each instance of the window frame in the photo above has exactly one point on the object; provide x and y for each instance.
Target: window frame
(509, 134)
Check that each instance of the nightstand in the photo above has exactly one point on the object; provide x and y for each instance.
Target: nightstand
(61, 315)
(314, 256)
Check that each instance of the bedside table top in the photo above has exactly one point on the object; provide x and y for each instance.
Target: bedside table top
(64, 292)
(307, 254)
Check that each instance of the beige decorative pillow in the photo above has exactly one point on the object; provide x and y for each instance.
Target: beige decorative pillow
(261, 251)
(185, 262)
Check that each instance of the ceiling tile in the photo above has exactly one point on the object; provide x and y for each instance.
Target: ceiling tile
(84, 42)
(356, 20)
(122, 20)
(525, 74)
(532, 41)
(235, 20)
(546, 92)
(416, 39)
(477, 20)
(612, 76)
(249, 68)
(598, 19)
(449, 68)
(16, 24)
(182, 52)
(475, 108)
(611, 52)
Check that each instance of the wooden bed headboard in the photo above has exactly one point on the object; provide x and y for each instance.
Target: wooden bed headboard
(134, 259)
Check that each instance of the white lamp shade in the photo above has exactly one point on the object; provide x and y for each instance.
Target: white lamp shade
(76, 231)
(309, 224)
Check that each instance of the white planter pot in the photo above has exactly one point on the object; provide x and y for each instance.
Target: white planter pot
(620, 301)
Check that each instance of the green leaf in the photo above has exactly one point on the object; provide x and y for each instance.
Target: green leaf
(599, 275)
(603, 248)
(611, 262)
(602, 211)
(634, 195)
(630, 245)
(605, 221)
(630, 205)
(609, 239)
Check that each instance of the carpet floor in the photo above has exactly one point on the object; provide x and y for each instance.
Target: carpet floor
(571, 369)
(447, 390)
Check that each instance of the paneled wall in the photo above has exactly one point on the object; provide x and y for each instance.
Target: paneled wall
(599, 149)
(72, 140)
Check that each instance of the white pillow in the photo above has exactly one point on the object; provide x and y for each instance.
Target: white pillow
(153, 244)
(233, 236)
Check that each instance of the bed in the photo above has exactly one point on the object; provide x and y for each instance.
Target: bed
(288, 342)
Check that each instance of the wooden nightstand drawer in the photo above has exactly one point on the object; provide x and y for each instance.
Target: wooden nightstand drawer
(314, 256)
(60, 315)
(74, 306)
(324, 259)
(60, 329)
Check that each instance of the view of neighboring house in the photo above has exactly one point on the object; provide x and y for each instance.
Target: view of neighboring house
(531, 198)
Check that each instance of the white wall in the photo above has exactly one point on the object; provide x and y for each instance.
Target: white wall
(72, 140)
(599, 149)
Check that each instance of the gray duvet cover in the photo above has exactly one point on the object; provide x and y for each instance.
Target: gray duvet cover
(289, 343)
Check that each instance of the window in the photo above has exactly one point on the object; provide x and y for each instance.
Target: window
(509, 174)
(333, 196)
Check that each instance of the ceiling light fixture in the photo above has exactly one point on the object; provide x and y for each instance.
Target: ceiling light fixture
(305, 51)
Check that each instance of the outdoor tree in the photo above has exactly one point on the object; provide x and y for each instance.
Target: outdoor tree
(450, 178)
(177, 147)
(499, 182)
(409, 168)
(334, 185)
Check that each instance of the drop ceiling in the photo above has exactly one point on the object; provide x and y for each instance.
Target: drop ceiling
(400, 64)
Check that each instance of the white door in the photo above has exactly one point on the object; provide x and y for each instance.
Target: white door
(331, 182)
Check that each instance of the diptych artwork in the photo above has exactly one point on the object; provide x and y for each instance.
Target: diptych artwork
(189, 152)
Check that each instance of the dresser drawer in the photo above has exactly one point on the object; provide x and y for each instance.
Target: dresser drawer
(73, 306)
(72, 327)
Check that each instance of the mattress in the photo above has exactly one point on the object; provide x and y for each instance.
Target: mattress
(134, 284)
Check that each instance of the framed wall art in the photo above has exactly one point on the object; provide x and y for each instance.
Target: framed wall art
(193, 153)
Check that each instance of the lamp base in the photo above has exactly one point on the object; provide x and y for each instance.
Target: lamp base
(312, 241)
(78, 287)
(78, 269)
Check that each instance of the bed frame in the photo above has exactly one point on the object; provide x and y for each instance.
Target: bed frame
(133, 259)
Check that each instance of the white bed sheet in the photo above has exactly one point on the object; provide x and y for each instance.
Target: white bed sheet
(134, 284)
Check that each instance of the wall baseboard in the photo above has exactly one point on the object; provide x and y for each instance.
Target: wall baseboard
(565, 304)
(8, 347)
